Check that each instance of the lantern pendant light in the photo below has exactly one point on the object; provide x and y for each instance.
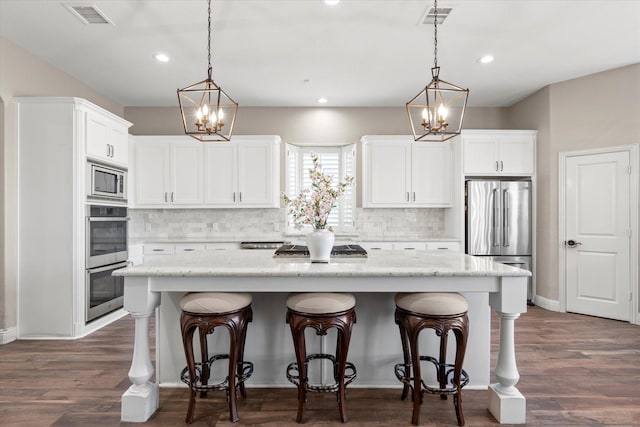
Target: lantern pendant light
(208, 113)
(436, 113)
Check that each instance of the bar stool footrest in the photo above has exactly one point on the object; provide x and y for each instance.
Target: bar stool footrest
(401, 370)
(244, 373)
(293, 374)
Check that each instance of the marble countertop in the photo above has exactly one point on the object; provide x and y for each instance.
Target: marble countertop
(252, 263)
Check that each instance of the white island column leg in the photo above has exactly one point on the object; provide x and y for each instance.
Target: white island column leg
(506, 403)
(140, 400)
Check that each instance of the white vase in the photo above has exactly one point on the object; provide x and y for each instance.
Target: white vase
(320, 243)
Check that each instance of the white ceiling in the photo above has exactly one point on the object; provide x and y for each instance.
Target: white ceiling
(358, 53)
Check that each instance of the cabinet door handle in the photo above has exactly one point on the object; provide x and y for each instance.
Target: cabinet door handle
(501, 166)
(407, 196)
(240, 193)
(189, 249)
(158, 250)
(234, 197)
(172, 197)
(414, 196)
(497, 168)
(165, 197)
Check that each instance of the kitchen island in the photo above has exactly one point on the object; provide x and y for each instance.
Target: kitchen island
(375, 345)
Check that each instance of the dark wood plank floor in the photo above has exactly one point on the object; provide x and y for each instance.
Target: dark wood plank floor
(575, 371)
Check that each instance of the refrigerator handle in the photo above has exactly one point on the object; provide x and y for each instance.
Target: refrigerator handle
(496, 217)
(505, 231)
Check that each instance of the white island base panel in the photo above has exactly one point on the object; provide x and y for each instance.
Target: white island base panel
(375, 346)
(374, 349)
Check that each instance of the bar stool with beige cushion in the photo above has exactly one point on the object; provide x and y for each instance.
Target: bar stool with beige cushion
(321, 311)
(205, 311)
(442, 312)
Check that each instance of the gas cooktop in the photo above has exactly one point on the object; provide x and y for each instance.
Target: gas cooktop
(340, 251)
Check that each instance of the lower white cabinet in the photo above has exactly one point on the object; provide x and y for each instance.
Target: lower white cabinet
(179, 172)
(451, 245)
(445, 245)
(151, 250)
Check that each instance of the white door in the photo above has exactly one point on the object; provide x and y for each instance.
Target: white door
(597, 227)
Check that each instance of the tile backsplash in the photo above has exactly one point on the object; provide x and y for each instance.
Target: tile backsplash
(270, 224)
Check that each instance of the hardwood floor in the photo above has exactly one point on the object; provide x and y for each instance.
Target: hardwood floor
(575, 371)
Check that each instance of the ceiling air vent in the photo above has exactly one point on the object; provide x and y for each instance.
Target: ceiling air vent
(89, 14)
(430, 16)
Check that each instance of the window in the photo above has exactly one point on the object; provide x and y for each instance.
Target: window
(337, 162)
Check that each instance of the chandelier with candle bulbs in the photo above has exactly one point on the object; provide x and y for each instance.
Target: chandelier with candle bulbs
(436, 113)
(208, 113)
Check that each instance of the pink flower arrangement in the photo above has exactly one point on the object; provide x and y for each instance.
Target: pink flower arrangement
(313, 205)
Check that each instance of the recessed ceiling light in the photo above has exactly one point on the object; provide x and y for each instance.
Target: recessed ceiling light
(486, 59)
(322, 100)
(331, 2)
(161, 57)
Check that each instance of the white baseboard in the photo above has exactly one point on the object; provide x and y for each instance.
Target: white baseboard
(8, 335)
(546, 303)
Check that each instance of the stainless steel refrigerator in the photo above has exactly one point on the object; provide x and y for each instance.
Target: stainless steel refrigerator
(498, 222)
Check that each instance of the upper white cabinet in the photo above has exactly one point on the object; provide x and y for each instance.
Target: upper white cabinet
(243, 173)
(168, 171)
(107, 139)
(177, 171)
(498, 152)
(398, 172)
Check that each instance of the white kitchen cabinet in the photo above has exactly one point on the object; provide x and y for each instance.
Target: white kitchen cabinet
(243, 173)
(168, 171)
(107, 139)
(376, 246)
(159, 249)
(398, 172)
(179, 172)
(222, 246)
(444, 246)
(451, 245)
(410, 246)
(52, 173)
(496, 152)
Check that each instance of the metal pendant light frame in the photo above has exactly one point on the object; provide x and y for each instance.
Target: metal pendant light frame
(429, 121)
(209, 97)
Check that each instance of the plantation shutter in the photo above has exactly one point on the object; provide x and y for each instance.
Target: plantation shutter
(337, 162)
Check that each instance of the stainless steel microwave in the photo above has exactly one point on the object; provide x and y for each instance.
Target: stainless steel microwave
(107, 182)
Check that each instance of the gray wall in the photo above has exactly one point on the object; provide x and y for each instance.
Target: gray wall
(599, 110)
(22, 74)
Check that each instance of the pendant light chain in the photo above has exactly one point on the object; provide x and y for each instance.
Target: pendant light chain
(210, 68)
(208, 113)
(435, 34)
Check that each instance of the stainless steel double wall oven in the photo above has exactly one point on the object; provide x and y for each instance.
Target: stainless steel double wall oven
(106, 247)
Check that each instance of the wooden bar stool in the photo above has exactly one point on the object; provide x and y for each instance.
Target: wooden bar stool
(205, 311)
(442, 312)
(321, 311)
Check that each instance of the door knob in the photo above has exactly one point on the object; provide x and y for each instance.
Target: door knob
(572, 243)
